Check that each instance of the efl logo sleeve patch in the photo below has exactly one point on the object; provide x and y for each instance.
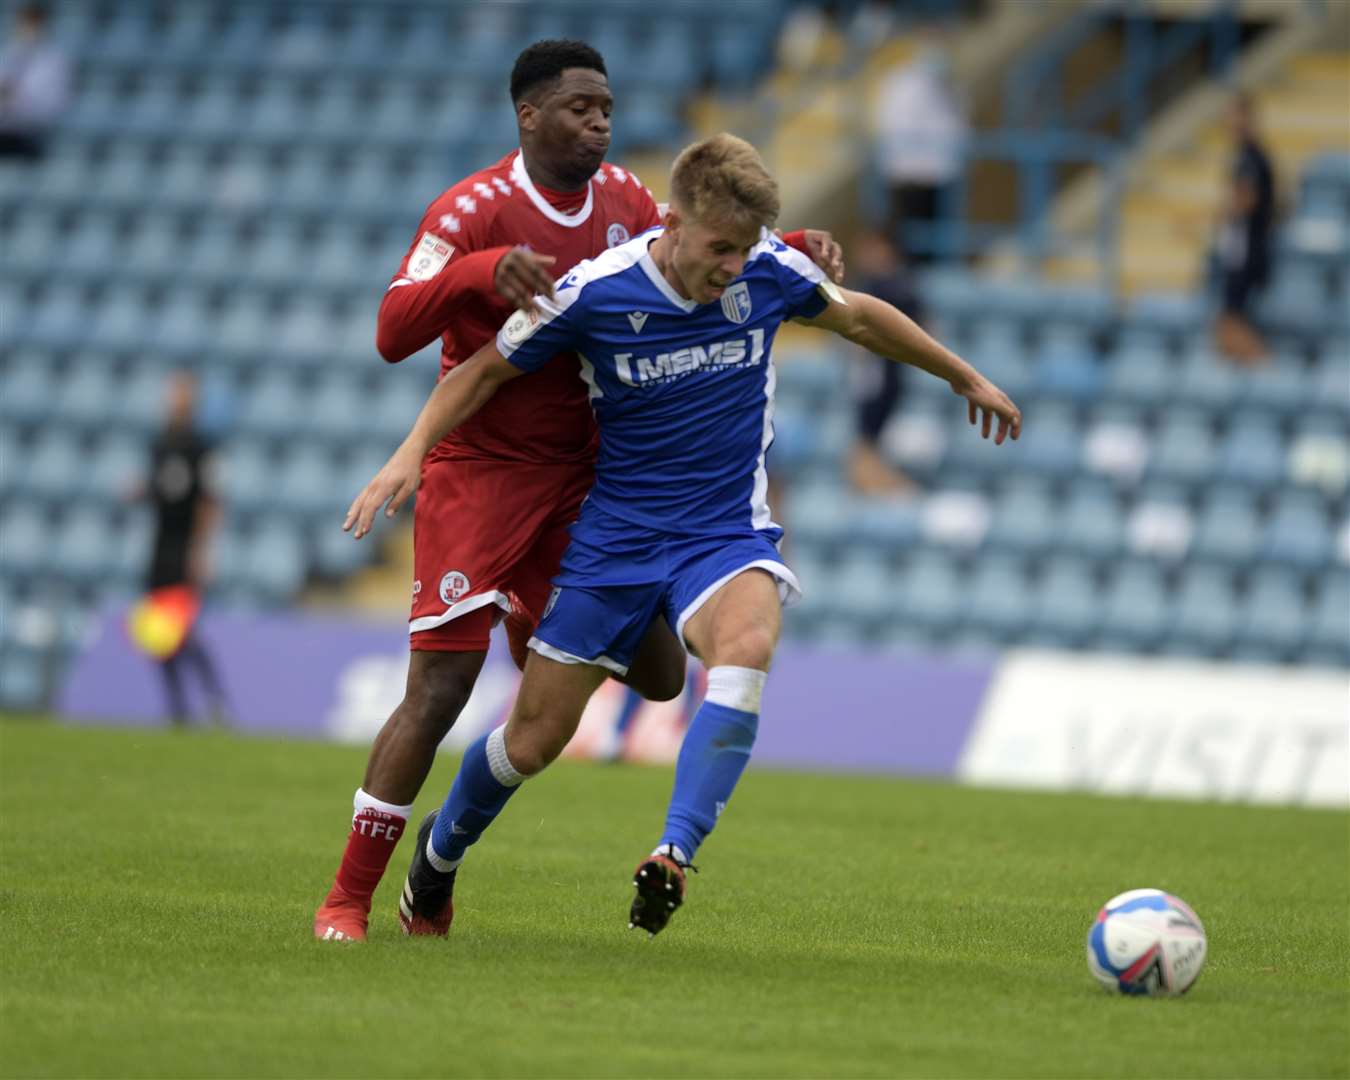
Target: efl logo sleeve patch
(429, 257)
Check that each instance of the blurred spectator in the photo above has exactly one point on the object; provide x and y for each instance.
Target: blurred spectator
(1244, 240)
(921, 130)
(180, 491)
(880, 270)
(34, 85)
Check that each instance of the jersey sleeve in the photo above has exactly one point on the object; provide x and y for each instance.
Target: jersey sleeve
(805, 287)
(448, 264)
(529, 340)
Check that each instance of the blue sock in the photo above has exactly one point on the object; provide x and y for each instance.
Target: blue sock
(714, 754)
(486, 779)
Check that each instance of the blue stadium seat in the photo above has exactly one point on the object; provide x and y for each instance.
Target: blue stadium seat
(1228, 530)
(1252, 452)
(1067, 604)
(336, 554)
(1204, 618)
(888, 525)
(31, 241)
(1135, 608)
(1140, 375)
(1024, 517)
(1183, 451)
(117, 464)
(998, 599)
(1329, 626)
(140, 402)
(1049, 445)
(183, 323)
(55, 467)
(1167, 311)
(248, 474)
(305, 484)
(1298, 533)
(1067, 373)
(275, 562)
(61, 319)
(121, 318)
(28, 388)
(1283, 388)
(821, 514)
(27, 550)
(931, 594)
(1272, 619)
(1090, 523)
(86, 392)
(864, 589)
(1208, 381)
(85, 546)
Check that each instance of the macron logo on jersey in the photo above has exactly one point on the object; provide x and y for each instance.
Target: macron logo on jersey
(637, 320)
(668, 366)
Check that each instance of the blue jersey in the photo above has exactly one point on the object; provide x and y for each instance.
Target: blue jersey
(682, 392)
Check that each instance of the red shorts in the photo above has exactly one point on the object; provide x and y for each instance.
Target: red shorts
(487, 539)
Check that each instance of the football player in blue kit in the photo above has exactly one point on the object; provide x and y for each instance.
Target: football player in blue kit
(674, 330)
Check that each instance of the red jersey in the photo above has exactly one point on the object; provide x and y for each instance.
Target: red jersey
(447, 277)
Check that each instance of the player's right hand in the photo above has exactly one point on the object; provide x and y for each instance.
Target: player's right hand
(521, 275)
(392, 484)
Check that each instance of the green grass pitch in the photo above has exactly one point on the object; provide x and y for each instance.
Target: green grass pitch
(156, 892)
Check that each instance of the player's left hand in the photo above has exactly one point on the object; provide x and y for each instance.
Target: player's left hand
(984, 401)
(397, 480)
(826, 253)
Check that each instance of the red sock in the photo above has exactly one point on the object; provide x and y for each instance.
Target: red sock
(376, 829)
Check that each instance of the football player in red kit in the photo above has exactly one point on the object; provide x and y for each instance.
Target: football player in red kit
(497, 495)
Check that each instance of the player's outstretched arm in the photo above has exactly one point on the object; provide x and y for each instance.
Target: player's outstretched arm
(464, 391)
(885, 330)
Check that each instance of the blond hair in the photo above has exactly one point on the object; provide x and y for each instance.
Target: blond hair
(723, 178)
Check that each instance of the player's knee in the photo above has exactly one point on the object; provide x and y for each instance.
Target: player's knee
(432, 705)
(750, 647)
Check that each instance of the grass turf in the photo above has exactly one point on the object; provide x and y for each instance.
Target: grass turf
(158, 891)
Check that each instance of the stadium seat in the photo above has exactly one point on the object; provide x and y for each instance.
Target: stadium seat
(866, 590)
(1140, 375)
(1208, 381)
(998, 600)
(85, 546)
(1135, 608)
(1298, 533)
(1183, 451)
(27, 550)
(931, 594)
(54, 467)
(85, 391)
(1024, 517)
(1160, 525)
(1252, 452)
(1329, 625)
(1205, 615)
(1090, 523)
(1272, 618)
(305, 485)
(117, 464)
(1228, 529)
(28, 387)
(1067, 605)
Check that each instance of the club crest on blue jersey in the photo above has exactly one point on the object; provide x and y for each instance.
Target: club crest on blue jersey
(736, 302)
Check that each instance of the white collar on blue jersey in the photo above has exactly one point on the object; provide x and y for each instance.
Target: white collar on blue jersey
(653, 271)
(522, 180)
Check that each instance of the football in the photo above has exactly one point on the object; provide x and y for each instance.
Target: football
(1146, 942)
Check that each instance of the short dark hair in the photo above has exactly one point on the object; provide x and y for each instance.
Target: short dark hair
(545, 61)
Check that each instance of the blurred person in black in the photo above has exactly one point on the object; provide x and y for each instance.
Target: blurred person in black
(34, 85)
(180, 491)
(1244, 240)
(880, 270)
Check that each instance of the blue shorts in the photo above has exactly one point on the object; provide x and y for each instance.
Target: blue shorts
(616, 578)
